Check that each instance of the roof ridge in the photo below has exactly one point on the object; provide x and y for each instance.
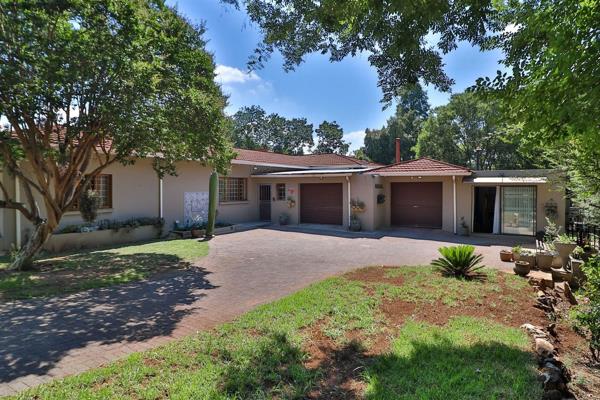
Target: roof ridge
(444, 162)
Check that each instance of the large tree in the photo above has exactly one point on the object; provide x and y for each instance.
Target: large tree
(469, 131)
(254, 129)
(411, 111)
(330, 139)
(396, 34)
(86, 84)
(552, 50)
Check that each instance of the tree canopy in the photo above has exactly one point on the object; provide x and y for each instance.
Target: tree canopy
(396, 34)
(411, 111)
(469, 131)
(254, 129)
(85, 84)
(330, 139)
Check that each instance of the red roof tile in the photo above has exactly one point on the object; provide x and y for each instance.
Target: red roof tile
(308, 160)
(422, 166)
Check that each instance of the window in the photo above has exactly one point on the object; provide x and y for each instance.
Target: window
(232, 189)
(280, 191)
(518, 210)
(102, 184)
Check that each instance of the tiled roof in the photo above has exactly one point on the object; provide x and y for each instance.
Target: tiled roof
(308, 160)
(423, 166)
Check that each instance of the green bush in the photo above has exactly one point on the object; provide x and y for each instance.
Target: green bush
(588, 314)
(459, 261)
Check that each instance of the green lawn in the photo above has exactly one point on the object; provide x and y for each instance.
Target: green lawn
(320, 343)
(74, 272)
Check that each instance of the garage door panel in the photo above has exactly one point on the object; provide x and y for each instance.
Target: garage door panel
(321, 203)
(417, 204)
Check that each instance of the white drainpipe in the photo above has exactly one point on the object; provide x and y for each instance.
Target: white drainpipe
(160, 198)
(454, 197)
(17, 214)
(349, 202)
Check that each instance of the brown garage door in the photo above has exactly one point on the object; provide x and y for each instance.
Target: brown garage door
(417, 204)
(321, 203)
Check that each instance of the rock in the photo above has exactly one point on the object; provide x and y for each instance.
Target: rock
(565, 289)
(552, 395)
(534, 331)
(543, 347)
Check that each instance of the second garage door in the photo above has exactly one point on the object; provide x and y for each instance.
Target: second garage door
(417, 204)
(321, 203)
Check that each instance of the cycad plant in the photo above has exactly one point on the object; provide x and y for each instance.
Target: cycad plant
(459, 261)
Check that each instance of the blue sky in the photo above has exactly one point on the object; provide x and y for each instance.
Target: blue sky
(318, 90)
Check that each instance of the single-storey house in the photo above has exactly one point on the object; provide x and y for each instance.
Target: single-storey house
(323, 189)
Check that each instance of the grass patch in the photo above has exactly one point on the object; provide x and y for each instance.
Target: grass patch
(74, 272)
(466, 359)
(269, 353)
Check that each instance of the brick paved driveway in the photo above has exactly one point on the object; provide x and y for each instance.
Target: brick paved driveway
(43, 339)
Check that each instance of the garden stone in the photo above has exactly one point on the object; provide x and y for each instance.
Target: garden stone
(543, 347)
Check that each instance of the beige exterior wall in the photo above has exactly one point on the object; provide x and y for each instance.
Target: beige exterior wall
(193, 177)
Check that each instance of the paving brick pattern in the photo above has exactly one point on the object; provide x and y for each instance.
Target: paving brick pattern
(45, 339)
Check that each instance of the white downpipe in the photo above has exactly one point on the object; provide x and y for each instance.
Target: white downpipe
(17, 214)
(497, 211)
(160, 198)
(349, 203)
(454, 200)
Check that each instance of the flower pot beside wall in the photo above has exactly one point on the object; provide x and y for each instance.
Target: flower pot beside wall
(506, 255)
(528, 258)
(355, 225)
(284, 219)
(198, 233)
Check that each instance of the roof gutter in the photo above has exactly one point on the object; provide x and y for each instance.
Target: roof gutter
(264, 164)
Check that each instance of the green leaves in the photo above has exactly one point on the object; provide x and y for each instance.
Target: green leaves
(330, 139)
(459, 261)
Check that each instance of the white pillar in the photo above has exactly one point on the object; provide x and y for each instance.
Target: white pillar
(349, 203)
(17, 214)
(454, 200)
(160, 198)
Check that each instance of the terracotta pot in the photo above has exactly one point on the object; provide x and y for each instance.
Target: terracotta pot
(543, 260)
(522, 268)
(564, 251)
(506, 255)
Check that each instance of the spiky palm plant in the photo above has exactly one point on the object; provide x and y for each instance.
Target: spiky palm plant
(459, 261)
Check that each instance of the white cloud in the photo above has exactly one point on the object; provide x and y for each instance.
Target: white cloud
(356, 139)
(228, 75)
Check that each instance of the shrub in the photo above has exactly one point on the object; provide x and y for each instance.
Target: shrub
(588, 314)
(459, 261)
(89, 202)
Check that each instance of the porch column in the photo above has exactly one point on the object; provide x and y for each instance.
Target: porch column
(17, 214)
(454, 200)
(349, 202)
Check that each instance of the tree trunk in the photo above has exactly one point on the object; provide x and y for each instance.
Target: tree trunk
(23, 260)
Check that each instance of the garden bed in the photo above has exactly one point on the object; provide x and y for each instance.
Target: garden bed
(61, 242)
(375, 333)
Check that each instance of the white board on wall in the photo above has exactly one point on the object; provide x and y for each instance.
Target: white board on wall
(195, 205)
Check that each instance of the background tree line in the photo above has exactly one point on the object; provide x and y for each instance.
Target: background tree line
(467, 131)
(254, 129)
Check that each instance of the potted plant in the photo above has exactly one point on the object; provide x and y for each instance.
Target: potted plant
(522, 268)
(291, 203)
(89, 202)
(197, 227)
(357, 206)
(516, 252)
(528, 255)
(355, 225)
(564, 246)
(577, 262)
(463, 228)
(544, 258)
(506, 255)
(284, 219)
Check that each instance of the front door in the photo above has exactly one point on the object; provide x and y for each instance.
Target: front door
(264, 201)
(485, 206)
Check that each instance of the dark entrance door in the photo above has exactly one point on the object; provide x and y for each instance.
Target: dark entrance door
(417, 204)
(483, 212)
(264, 201)
(321, 203)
